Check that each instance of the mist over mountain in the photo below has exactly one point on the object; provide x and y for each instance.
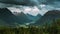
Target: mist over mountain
(48, 17)
(31, 17)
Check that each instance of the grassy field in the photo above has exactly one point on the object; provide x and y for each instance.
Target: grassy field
(54, 28)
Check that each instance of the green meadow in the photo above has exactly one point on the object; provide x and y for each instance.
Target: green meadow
(53, 28)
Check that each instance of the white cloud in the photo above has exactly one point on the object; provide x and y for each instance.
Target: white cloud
(42, 5)
(27, 9)
(32, 10)
(14, 10)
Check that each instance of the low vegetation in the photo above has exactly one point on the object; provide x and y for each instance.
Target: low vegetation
(53, 28)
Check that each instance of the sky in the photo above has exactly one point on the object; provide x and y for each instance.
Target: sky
(32, 7)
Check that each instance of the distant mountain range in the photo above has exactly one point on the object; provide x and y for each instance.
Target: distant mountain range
(31, 17)
(7, 18)
(23, 18)
(48, 17)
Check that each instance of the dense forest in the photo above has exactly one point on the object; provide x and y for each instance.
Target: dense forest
(53, 28)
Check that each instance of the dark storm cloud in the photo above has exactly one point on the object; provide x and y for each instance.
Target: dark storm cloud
(54, 3)
(29, 2)
(20, 2)
(50, 1)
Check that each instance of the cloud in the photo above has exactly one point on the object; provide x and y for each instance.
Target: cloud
(27, 10)
(30, 6)
(32, 2)
(54, 3)
(20, 2)
(23, 2)
(34, 10)
(2, 5)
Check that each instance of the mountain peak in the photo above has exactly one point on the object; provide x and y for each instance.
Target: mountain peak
(48, 17)
(5, 12)
(53, 12)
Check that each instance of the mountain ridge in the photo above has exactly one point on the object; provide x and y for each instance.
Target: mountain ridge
(48, 17)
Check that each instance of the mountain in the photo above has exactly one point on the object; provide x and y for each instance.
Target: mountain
(23, 18)
(7, 18)
(31, 17)
(48, 17)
